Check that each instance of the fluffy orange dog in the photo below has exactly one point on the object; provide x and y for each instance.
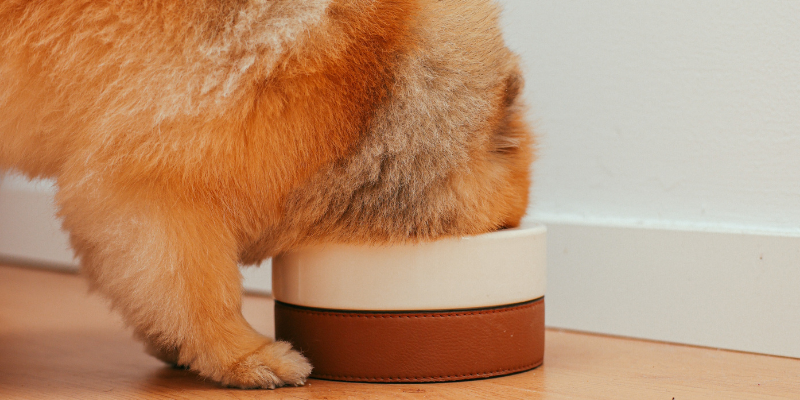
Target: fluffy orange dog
(189, 136)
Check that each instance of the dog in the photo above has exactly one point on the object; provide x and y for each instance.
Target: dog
(187, 137)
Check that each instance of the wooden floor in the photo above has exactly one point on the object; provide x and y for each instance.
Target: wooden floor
(58, 342)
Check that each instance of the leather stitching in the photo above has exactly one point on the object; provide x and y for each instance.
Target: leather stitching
(475, 375)
(421, 314)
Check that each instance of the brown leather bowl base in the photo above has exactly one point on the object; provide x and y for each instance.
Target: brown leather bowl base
(419, 346)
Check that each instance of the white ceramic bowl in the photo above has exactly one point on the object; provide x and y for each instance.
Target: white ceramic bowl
(493, 269)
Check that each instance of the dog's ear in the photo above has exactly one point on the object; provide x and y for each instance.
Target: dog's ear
(511, 147)
(514, 85)
(506, 138)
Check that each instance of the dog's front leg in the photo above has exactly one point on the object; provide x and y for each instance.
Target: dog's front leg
(168, 263)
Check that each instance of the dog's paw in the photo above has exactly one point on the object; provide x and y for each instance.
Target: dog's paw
(271, 366)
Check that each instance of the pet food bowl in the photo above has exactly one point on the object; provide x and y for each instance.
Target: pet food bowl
(449, 310)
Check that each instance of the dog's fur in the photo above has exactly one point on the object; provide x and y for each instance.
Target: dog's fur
(187, 136)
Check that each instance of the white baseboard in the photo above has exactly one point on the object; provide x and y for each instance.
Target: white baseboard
(727, 290)
(30, 233)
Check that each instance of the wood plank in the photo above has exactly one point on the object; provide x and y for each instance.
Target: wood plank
(58, 342)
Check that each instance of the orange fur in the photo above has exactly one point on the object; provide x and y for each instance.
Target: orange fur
(186, 137)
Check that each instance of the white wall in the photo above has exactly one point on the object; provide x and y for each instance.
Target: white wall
(678, 112)
(669, 135)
